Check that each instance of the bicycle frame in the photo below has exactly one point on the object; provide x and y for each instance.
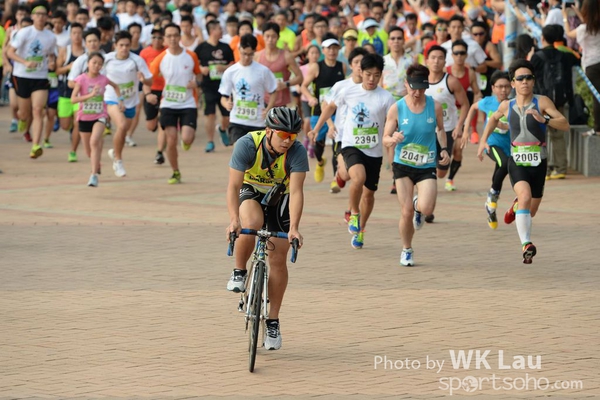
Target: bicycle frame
(260, 254)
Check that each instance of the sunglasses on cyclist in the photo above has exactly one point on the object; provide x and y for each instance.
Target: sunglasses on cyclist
(459, 53)
(522, 78)
(286, 135)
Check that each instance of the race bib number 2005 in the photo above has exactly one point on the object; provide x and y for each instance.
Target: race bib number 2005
(527, 156)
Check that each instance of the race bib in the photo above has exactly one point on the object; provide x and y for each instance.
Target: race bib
(213, 73)
(482, 81)
(415, 154)
(366, 138)
(53, 80)
(322, 93)
(527, 156)
(445, 112)
(39, 60)
(246, 110)
(127, 89)
(175, 94)
(503, 120)
(279, 76)
(95, 105)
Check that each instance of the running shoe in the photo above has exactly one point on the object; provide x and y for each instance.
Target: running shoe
(334, 187)
(111, 154)
(556, 175)
(93, 182)
(36, 151)
(186, 147)
(237, 281)
(176, 178)
(27, 137)
(210, 147)
(119, 169)
(14, 126)
(107, 131)
(490, 208)
(347, 215)
(429, 218)
(130, 142)
(449, 186)
(510, 216)
(418, 219)
(72, 157)
(21, 125)
(160, 158)
(224, 136)
(354, 224)
(474, 137)
(273, 336)
(47, 144)
(56, 126)
(529, 251)
(406, 258)
(358, 240)
(320, 171)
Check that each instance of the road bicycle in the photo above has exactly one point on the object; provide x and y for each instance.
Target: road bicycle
(254, 300)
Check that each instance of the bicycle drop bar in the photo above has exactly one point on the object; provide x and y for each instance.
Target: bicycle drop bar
(263, 234)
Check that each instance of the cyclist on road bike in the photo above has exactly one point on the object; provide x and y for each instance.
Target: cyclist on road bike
(267, 164)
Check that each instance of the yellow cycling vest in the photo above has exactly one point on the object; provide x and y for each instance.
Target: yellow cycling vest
(259, 177)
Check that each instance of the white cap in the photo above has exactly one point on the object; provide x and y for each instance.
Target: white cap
(369, 23)
(329, 42)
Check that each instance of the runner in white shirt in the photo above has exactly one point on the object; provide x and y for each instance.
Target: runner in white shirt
(130, 16)
(367, 105)
(127, 70)
(30, 49)
(475, 54)
(179, 106)
(243, 87)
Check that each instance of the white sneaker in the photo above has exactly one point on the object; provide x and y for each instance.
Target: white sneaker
(118, 168)
(406, 258)
(237, 282)
(111, 154)
(418, 219)
(130, 142)
(273, 337)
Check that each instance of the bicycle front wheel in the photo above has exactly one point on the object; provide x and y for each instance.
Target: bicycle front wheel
(255, 309)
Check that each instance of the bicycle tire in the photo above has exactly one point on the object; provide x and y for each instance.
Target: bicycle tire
(255, 312)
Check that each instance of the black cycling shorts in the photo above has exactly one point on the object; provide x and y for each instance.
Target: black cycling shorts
(277, 217)
(535, 176)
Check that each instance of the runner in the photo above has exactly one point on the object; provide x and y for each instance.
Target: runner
(243, 87)
(126, 70)
(31, 49)
(528, 115)
(411, 127)
(215, 57)
(261, 161)
(447, 91)
(153, 94)
(499, 140)
(65, 61)
(367, 105)
(322, 76)
(91, 117)
(179, 106)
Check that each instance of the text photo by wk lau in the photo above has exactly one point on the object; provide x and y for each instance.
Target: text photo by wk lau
(481, 370)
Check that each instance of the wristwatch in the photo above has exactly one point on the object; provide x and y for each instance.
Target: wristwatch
(444, 148)
(547, 118)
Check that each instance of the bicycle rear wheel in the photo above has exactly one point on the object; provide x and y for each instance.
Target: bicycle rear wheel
(255, 309)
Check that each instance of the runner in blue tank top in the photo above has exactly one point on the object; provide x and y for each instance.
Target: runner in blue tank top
(527, 115)
(412, 126)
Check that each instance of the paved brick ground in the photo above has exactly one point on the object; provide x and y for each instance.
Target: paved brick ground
(119, 291)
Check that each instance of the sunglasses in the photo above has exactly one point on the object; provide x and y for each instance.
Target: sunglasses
(522, 78)
(459, 53)
(286, 135)
(478, 33)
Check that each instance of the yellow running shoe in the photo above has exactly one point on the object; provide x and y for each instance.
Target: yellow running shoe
(22, 125)
(334, 188)
(36, 151)
(320, 171)
(176, 178)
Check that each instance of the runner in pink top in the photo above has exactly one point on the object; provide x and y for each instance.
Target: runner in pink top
(89, 91)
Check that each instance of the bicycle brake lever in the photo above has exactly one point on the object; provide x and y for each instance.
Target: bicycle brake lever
(295, 244)
(232, 237)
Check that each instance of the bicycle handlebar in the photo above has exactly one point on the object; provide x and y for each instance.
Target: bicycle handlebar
(263, 234)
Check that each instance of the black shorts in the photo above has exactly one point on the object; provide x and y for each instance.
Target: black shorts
(535, 176)
(416, 175)
(87, 126)
(449, 145)
(353, 156)
(151, 110)
(25, 86)
(211, 102)
(171, 117)
(277, 217)
(236, 131)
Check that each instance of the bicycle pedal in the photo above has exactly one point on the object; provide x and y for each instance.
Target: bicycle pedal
(241, 306)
